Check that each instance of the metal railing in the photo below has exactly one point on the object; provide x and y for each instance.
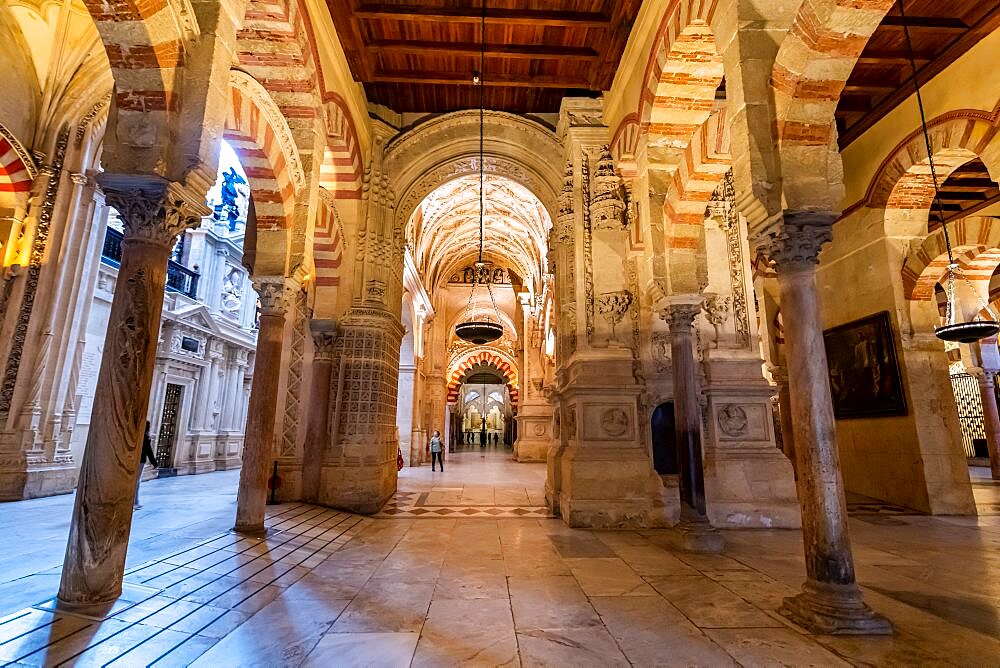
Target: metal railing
(179, 278)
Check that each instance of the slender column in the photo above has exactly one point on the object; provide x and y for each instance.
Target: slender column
(154, 214)
(991, 418)
(324, 335)
(830, 601)
(259, 437)
(780, 375)
(695, 531)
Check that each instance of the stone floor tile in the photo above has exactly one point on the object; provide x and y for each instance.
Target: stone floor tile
(550, 603)
(363, 649)
(774, 647)
(605, 576)
(652, 560)
(708, 604)
(569, 647)
(471, 584)
(652, 632)
(387, 606)
(464, 632)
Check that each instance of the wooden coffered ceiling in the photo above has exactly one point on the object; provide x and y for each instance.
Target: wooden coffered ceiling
(967, 189)
(940, 30)
(419, 55)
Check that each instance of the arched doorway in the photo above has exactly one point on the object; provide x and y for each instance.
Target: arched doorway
(664, 440)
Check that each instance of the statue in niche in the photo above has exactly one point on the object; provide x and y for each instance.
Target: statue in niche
(498, 276)
(232, 293)
(229, 208)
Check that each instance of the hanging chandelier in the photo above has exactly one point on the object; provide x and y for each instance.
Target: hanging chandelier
(482, 326)
(953, 329)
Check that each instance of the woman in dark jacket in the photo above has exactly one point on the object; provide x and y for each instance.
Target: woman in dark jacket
(147, 455)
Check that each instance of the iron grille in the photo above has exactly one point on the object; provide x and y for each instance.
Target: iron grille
(970, 410)
(168, 425)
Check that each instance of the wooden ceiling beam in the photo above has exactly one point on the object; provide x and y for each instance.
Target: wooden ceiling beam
(925, 22)
(505, 80)
(514, 51)
(886, 58)
(565, 19)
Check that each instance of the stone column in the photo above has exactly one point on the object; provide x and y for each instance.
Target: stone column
(154, 213)
(324, 334)
(830, 601)
(275, 297)
(696, 533)
(991, 417)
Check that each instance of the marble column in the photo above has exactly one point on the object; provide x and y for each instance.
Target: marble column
(324, 334)
(831, 601)
(154, 213)
(258, 444)
(991, 418)
(695, 531)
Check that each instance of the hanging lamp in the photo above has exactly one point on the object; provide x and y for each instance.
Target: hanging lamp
(481, 327)
(952, 330)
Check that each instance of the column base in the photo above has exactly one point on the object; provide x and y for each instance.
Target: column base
(831, 609)
(696, 534)
(254, 531)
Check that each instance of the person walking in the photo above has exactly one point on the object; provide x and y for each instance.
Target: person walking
(147, 455)
(437, 456)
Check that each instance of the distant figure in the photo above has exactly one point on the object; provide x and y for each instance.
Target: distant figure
(482, 436)
(147, 455)
(437, 456)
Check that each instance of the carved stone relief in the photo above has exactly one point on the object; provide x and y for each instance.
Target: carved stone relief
(613, 306)
(614, 422)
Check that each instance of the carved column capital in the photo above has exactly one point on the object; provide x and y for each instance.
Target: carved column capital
(680, 316)
(154, 212)
(275, 294)
(324, 335)
(794, 241)
(78, 179)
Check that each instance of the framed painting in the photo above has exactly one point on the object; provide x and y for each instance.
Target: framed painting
(864, 374)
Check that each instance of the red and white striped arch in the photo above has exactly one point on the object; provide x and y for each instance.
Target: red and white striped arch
(976, 247)
(17, 171)
(341, 170)
(496, 359)
(811, 68)
(262, 140)
(704, 162)
(328, 242)
(277, 46)
(903, 179)
(662, 80)
(145, 42)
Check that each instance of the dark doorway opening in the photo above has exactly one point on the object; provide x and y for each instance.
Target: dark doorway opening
(664, 439)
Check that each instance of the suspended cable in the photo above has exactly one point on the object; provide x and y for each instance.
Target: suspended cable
(952, 330)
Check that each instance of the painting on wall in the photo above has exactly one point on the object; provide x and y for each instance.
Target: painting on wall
(864, 375)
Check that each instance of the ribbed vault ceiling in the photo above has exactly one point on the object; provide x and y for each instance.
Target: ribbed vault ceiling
(443, 233)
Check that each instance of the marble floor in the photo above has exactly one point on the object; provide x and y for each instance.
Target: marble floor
(333, 589)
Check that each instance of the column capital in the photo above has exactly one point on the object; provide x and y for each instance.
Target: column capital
(324, 335)
(152, 211)
(794, 240)
(680, 314)
(275, 294)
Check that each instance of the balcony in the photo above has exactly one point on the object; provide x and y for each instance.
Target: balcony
(179, 278)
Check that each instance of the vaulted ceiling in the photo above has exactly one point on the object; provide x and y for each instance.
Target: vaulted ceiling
(419, 55)
(443, 232)
(940, 31)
